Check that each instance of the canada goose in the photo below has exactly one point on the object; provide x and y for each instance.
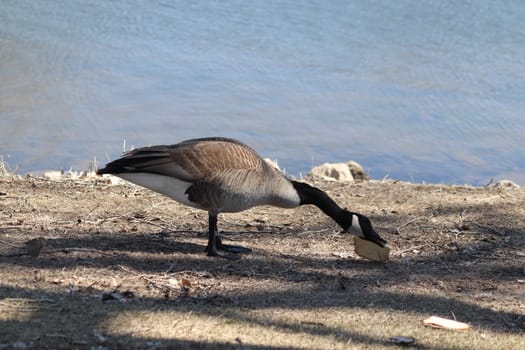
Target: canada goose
(223, 175)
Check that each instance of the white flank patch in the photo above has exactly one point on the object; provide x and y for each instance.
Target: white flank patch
(169, 186)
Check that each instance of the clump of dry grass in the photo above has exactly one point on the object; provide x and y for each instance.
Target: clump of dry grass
(4, 167)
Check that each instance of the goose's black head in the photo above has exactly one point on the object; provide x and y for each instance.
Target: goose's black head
(361, 226)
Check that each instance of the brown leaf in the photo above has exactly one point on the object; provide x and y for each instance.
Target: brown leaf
(186, 283)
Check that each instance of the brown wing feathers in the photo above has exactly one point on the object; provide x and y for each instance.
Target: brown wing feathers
(189, 160)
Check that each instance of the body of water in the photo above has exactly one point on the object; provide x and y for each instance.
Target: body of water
(425, 91)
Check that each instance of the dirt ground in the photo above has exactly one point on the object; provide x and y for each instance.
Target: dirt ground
(91, 265)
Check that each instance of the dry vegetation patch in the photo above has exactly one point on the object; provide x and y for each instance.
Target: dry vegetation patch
(87, 264)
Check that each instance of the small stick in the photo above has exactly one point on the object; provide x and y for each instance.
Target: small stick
(495, 230)
(59, 250)
(10, 244)
(398, 229)
(411, 248)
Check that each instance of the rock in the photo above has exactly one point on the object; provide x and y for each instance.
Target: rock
(113, 180)
(54, 175)
(332, 172)
(57, 175)
(506, 184)
(357, 171)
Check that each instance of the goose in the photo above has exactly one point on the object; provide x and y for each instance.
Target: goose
(223, 175)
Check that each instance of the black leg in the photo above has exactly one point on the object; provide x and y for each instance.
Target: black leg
(211, 249)
(216, 247)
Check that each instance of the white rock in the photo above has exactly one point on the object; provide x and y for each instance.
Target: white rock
(54, 175)
(506, 184)
(332, 172)
(113, 180)
(357, 171)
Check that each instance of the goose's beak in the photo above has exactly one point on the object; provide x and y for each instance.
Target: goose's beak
(373, 236)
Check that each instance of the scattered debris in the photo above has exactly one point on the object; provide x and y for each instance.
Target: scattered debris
(174, 283)
(343, 255)
(314, 324)
(186, 283)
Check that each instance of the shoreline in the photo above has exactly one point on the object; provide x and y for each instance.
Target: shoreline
(55, 174)
(61, 175)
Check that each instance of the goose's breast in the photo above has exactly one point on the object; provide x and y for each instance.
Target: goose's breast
(222, 197)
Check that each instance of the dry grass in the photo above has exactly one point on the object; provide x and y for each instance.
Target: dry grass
(121, 268)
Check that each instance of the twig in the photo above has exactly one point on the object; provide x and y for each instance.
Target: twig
(490, 228)
(411, 248)
(27, 305)
(157, 284)
(69, 250)
(71, 339)
(13, 255)
(398, 229)
(59, 250)
(314, 231)
(10, 244)
(23, 300)
(511, 324)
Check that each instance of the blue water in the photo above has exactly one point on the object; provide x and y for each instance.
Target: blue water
(425, 91)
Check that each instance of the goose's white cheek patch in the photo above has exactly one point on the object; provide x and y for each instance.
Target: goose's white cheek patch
(356, 227)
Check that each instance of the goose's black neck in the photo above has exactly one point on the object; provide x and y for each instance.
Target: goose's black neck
(311, 195)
